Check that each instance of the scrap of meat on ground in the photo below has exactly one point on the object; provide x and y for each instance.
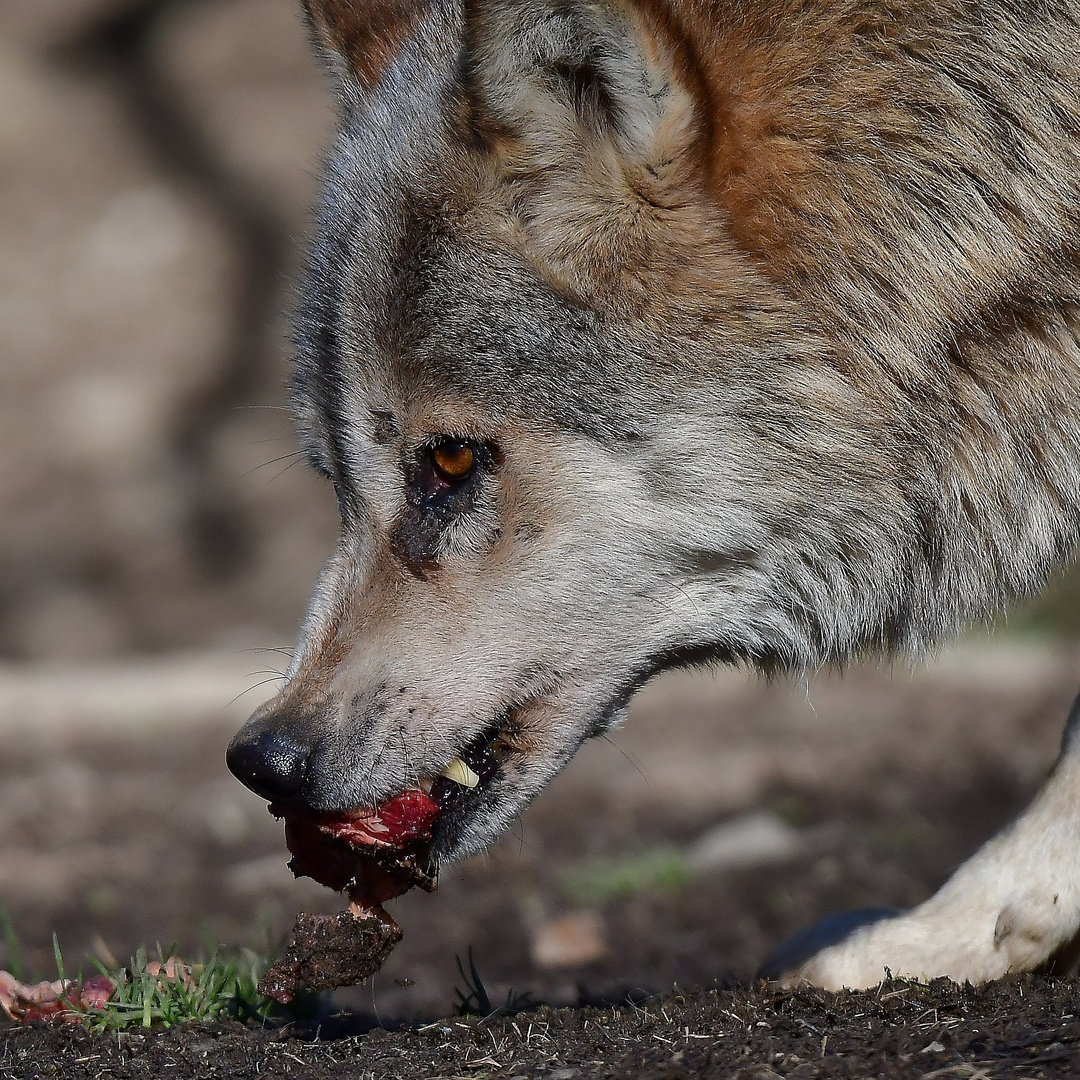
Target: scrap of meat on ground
(60, 1000)
(69, 1000)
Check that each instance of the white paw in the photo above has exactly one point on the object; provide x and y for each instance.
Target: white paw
(1011, 907)
(965, 938)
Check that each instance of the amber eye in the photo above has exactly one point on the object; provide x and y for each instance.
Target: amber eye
(454, 460)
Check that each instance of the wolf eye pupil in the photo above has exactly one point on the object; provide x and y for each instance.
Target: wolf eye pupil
(454, 459)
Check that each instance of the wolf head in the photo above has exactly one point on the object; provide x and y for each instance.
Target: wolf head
(626, 342)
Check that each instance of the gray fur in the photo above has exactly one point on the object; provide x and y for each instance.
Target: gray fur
(852, 433)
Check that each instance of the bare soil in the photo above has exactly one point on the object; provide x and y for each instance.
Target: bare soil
(1024, 1026)
(878, 784)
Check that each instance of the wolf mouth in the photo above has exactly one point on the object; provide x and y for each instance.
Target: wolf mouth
(377, 853)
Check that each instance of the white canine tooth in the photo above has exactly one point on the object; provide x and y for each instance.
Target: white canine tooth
(425, 783)
(460, 773)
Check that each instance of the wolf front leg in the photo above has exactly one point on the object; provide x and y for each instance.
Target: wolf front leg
(1011, 907)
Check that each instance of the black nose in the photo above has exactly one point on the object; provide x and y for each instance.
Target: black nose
(269, 763)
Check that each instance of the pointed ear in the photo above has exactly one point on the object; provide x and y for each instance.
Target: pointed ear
(598, 123)
(361, 37)
(607, 77)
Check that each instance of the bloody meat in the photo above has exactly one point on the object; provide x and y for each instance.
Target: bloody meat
(376, 855)
(67, 1001)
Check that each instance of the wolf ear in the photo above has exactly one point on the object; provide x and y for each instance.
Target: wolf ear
(361, 37)
(558, 73)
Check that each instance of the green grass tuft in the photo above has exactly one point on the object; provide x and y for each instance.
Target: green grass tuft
(223, 985)
(475, 1000)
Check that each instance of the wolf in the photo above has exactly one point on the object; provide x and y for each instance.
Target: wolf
(645, 333)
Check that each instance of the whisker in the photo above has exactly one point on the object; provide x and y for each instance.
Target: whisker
(375, 763)
(405, 753)
(250, 688)
(518, 830)
(286, 469)
(631, 758)
(274, 461)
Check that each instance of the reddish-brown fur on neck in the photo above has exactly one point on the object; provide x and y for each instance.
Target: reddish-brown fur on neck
(859, 150)
(367, 34)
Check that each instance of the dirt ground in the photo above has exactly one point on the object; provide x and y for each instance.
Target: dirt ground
(727, 815)
(1023, 1027)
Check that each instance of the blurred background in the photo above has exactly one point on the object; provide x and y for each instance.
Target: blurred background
(157, 544)
(157, 161)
